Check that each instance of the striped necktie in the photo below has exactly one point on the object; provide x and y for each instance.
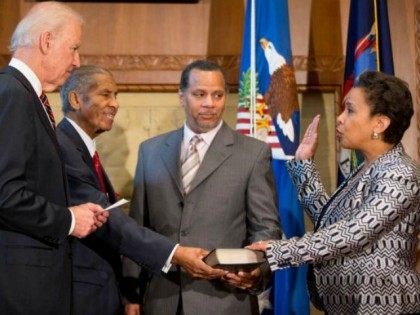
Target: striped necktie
(190, 164)
(46, 104)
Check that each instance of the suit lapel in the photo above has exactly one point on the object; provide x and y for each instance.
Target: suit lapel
(170, 154)
(219, 150)
(43, 118)
(45, 121)
(67, 128)
(38, 105)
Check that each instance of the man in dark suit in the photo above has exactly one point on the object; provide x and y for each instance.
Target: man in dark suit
(205, 185)
(90, 105)
(35, 221)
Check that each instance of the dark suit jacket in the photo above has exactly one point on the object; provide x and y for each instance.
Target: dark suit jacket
(231, 203)
(96, 259)
(35, 262)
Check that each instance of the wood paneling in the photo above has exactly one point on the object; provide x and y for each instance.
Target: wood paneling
(9, 17)
(146, 45)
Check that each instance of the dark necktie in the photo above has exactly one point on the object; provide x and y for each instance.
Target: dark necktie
(99, 172)
(44, 101)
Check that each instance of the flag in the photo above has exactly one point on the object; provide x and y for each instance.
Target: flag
(268, 110)
(368, 48)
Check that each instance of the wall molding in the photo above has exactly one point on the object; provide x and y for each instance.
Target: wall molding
(160, 73)
(319, 63)
(228, 62)
(155, 62)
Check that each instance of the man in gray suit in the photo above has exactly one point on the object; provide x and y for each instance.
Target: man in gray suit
(214, 192)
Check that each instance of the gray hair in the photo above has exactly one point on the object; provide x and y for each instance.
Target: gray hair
(81, 81)
(51, 16)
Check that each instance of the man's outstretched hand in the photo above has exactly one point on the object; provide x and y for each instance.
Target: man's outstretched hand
(191, 259)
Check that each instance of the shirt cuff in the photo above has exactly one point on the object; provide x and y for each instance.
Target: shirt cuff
(168, 263)
(73, 223)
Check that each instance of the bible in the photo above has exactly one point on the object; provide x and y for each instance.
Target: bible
(234, 259)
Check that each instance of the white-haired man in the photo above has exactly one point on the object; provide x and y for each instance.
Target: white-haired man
(35, 220)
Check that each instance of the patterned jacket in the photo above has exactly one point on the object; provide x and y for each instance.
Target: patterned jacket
(364, 251)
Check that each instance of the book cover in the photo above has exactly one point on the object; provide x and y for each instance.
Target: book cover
(235, 259)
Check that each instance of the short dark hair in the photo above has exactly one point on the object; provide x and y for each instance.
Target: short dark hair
(81, 81)
(203, 65)
(389, 96)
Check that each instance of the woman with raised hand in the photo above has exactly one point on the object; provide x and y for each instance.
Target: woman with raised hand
(362, 251)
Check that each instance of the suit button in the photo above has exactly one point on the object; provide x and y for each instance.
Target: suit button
(184, 233)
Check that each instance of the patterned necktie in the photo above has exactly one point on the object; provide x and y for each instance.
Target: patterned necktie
(44, 101)
(190, 164)
(99, 172)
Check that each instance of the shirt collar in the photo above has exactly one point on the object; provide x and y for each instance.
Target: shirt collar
(88, 141)
(207, 136)
(28, 74)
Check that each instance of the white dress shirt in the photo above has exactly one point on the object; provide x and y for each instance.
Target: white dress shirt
(202, 146)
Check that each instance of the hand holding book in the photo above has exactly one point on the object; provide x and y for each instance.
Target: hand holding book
(235, 259)
(245, 280)
(191, 259)
(242, 263)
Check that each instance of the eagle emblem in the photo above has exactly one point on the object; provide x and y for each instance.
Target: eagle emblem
(277, 111)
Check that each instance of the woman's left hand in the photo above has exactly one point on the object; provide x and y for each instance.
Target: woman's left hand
(261, 245)
(244, 279)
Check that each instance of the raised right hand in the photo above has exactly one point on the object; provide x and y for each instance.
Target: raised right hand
(85, 220)
(309, 143)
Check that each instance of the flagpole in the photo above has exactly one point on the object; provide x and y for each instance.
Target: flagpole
(252, 78)
(378, 60)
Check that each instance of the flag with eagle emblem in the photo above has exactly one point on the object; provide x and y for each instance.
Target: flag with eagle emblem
(268, 109)
(368, 48)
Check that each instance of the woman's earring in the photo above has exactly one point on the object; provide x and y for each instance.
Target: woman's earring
(375, 135)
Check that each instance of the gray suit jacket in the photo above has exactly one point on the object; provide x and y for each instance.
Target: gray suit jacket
(231, 203)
